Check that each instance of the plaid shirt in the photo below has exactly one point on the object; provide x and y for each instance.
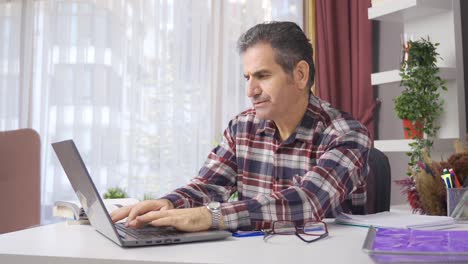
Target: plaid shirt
(302, 178)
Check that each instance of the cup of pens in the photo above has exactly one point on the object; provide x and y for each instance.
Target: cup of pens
(457, 203)
(457, 196)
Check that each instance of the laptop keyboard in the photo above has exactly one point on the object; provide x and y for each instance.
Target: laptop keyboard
(147, 232)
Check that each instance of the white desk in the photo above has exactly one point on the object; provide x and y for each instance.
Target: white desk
(62, 243)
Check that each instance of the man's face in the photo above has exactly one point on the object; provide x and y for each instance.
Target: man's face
(270, 88)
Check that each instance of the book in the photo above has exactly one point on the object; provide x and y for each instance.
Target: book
(397, 220)
(74, 213)
(399, 245)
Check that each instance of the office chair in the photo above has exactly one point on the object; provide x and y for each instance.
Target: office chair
(378, 182)
(19, 179)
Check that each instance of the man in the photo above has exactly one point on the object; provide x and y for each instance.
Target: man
(291, 157)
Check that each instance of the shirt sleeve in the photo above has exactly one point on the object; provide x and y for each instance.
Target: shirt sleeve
(340, 173)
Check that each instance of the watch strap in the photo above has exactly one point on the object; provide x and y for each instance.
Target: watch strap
(215, 215)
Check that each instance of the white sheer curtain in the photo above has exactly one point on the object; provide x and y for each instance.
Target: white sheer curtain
(10, 39)
(145, 88)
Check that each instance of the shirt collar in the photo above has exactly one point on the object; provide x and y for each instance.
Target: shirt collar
(306, 128)
(266, 126)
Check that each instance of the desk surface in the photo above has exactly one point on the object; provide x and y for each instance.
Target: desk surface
(62, 243)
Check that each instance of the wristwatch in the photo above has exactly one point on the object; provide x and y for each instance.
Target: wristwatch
(215, 210)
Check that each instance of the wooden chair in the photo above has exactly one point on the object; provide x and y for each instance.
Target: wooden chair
(20, 181)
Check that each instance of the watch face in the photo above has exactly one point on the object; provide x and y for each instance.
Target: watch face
(214, 205)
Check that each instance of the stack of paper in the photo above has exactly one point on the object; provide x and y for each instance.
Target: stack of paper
(75, 214)
(397, 220)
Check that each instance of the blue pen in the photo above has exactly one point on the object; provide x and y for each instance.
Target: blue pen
(247, 233)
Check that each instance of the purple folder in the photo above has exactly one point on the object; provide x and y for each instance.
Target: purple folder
(398, 245)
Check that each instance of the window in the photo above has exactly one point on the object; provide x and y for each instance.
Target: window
(145, 88)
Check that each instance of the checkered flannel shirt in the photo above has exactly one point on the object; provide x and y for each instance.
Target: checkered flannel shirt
(300, 179)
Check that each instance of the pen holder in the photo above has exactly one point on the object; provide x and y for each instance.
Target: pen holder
(457, 203)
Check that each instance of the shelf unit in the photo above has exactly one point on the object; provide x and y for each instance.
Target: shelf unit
(407, 10)
(401, 145)
(434, 18)
(393, 76)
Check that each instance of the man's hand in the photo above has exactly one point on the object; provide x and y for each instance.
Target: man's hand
(188, 219)
(161, 213)
(132, 211)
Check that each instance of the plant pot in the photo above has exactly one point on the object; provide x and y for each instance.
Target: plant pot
(413, 129)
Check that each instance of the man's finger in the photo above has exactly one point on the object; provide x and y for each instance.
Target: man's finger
(153, 215)
(164, 208)
(120, 213)
(144, 219)
(140, 208)
(135, 224)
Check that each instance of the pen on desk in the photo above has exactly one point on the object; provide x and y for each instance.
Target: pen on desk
(247, 233)
(455, 178)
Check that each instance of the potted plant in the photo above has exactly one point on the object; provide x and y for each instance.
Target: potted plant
(420, 105)
(115, 193)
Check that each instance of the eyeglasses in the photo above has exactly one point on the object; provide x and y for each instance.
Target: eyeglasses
(309, 232)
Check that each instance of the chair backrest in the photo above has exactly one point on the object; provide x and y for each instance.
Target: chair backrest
(378, 182)
(19, 179)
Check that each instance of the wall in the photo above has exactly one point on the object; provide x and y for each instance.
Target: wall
(387, 43)
(464, 28)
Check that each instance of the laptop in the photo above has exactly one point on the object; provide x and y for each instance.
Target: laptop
(99, 218)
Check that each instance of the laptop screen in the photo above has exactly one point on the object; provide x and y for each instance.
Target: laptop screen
(83, 185)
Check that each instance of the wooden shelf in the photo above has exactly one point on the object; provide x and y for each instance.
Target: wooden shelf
(404, 10)
(401, 145)
(394, 76)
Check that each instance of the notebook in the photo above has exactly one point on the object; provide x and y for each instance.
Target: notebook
(99, 218)
(397, 219)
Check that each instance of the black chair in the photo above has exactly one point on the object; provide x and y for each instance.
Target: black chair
(378, 182)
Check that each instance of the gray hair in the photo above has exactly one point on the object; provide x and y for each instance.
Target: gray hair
(287, 40)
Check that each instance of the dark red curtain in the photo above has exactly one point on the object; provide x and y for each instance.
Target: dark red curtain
(344, 57)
